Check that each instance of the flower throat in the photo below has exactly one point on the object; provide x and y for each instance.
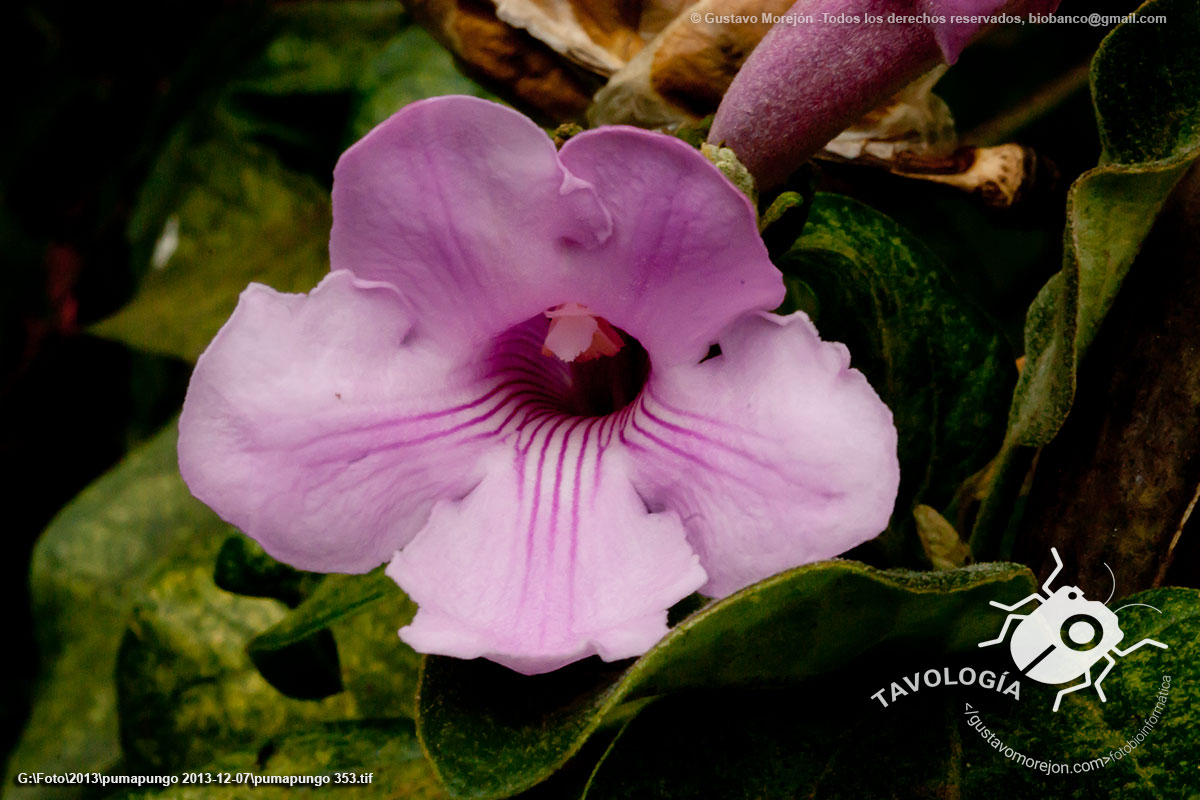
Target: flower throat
(607, 367)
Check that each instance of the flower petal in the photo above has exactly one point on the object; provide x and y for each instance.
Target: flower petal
(314, 425)
(774, 453)
(462, 205)
(684, 258)
(553, 557)
(465, 206)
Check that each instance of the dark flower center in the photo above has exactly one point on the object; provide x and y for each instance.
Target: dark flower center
(600, 386)
(597, 381)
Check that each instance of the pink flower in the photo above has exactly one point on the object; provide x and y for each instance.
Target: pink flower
(416, 408)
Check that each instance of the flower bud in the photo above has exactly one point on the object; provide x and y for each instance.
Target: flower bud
(805, 82)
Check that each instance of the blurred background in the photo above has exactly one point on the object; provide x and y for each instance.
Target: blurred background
(204, 135)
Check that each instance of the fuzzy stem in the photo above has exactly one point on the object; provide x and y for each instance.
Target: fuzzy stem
(806, 81)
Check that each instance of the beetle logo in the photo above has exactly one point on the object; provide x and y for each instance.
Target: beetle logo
(1065, 636)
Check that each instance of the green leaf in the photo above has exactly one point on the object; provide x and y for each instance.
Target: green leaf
(137, 539)
(89, 568)
(242, 217)
(943, 545)
(378, 669)
(323, 47)
(239, 194)
(192, 686)
(1146, 89)
(938, 362)
(385, 750)
(201, 670)
(411, 67)
(783, 220)
(186, 687)
(1110, 211)
(334, 598)
(243, 567)
(364, 612)
(828, 739)
(1125, 459)
(189, 688)
(307, 670)
(369, 51)
(492, 732)
(1165, 764)
(815, 742)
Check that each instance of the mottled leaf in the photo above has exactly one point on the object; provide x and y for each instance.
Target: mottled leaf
(937, 361)
(89, 568)
(378, 669)
(191, 687)
(137, 538)
(242, 217)
(336, 597)
(830, 739)
(492, 732)
(187, 690)
(364, 613)
(360, 759)
(240, 193)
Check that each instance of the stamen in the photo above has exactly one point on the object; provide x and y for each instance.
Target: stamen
(576, 334)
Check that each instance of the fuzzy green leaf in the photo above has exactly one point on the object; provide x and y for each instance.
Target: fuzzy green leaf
(1146, 89)
(492, 732)
(1165, 764)
(831, 740)
(818, 741)
(938, 362)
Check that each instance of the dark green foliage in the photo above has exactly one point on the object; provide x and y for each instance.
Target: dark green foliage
(492, 732)
(937, 361)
